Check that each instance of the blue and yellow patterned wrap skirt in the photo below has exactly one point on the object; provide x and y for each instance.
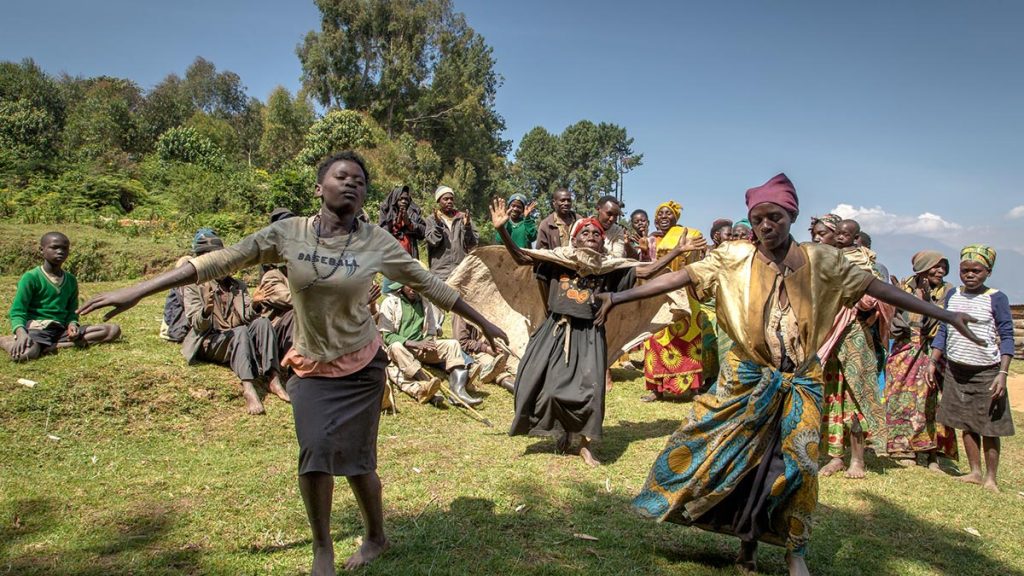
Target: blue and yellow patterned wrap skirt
(745, 460)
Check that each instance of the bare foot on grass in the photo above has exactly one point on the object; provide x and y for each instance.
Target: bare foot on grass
(856, 470)
(991, 486)
(277, 389)
(588, 457)
(906, 462)
(252, 399)
(368, 551)
(972, 478)
(834, 465)
(797, 566)
(323, 562)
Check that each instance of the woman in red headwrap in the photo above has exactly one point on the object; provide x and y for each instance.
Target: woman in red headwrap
(560, 386)
(745, 460)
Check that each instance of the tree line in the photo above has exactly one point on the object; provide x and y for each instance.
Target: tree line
(408, 83)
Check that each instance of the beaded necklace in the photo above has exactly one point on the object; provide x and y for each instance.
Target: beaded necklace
(316, 271)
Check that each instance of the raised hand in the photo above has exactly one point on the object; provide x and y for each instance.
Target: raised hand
(499, 213)
(689, 244)
(530, 208)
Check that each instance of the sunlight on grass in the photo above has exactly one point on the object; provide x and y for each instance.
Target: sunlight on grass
(158, 471)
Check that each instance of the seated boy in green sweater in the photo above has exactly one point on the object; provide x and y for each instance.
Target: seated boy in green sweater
(43, 313)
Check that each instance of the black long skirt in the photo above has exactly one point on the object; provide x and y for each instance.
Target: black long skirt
(558, 390)
(336, 420)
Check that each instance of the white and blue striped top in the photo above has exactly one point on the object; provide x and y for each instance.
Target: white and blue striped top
(994, 325)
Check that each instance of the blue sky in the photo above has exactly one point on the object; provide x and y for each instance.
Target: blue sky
(906, 115)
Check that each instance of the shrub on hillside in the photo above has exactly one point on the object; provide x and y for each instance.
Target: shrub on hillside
(185, 144)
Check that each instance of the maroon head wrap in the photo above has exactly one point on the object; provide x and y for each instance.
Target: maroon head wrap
(582, 223)
(779, 190)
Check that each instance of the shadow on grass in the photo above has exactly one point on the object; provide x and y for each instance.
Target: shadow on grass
(591, 531)
(615, 440)
(134, 544)
(874, 542)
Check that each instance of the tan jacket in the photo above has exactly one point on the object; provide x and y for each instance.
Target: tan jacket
(237, 312)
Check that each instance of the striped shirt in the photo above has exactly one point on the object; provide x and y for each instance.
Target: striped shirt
(994, 326)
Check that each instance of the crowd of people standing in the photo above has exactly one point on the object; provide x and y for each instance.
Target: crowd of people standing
(778, 345)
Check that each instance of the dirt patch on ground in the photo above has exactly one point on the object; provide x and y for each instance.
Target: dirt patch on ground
(1015, 388)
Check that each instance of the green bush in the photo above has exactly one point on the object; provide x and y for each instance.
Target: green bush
(185, 144)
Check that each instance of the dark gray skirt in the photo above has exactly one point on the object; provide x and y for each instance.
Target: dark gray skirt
(967, 404)
(336, 420)
(558, 391)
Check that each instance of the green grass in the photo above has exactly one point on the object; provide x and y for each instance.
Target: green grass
(157, 471)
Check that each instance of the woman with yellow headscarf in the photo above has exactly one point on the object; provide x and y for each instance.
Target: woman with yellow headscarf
(673, 357)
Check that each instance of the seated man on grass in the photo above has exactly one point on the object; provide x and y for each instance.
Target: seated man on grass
(224, 329)
(489, 366)
(409, 331)
(43, 312)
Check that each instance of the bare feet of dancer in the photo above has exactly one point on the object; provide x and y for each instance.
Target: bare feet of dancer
(747, 559)
(834, 465)
(277, 389)
(856, 470)
(796, 565)
(323, 561)
(990, 484)
(252, 399)
(585, 453)
(368, 551)
(972, 478)
(933, 462)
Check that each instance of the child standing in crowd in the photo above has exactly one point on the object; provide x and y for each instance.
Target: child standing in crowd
(43, 315)
(974, 395)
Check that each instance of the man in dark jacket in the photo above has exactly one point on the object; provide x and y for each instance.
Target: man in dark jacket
(450, 234)
(400, 216)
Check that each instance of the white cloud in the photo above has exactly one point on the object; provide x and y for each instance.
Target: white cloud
(877, 221)
(1014, 213)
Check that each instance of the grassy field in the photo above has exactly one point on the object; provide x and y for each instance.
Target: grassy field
(123, 460)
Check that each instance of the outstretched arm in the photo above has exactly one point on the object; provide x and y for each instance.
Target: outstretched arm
(490, 330)
(126, 298)
(499, 217)
(906, 301)
(661, 285)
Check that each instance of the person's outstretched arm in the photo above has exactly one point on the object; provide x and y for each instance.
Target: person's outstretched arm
(906, 301)
(661, 285)
(499, 217)
(125, 298)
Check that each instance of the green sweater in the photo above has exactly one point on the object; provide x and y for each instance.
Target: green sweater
(523, 233)
(413, 317)
(38, 298)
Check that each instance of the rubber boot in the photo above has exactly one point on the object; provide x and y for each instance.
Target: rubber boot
(457, 380)
(508, 383)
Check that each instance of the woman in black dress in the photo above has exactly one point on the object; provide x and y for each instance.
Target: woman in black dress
(337, 358)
